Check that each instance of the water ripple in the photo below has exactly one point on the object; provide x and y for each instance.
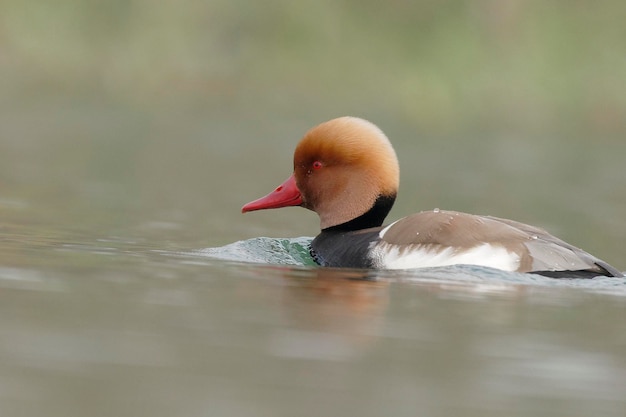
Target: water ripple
(294, 251)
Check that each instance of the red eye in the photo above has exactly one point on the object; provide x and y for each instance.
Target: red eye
(317, 165)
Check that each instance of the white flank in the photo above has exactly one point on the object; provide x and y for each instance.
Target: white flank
(388, 256)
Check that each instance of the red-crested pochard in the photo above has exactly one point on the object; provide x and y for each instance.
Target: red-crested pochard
(347, 172)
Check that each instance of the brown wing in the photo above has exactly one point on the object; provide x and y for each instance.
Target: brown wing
(550, 253)
(538, 250)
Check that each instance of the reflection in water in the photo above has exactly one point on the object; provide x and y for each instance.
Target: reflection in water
(333, 310)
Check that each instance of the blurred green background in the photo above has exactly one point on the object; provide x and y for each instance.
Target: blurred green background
(445, 67)
(160, 119)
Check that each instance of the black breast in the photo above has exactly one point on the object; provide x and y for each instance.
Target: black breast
(344, 249)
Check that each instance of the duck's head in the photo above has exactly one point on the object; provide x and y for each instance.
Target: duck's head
(345, 170)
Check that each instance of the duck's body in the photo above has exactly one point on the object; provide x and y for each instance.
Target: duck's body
(441, 238)
(347, 171)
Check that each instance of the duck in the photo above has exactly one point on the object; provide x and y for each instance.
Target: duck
(347, 171)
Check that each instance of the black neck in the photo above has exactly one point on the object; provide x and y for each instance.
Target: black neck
(374, 217)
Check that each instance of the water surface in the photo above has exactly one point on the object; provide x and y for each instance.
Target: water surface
(116, 326)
